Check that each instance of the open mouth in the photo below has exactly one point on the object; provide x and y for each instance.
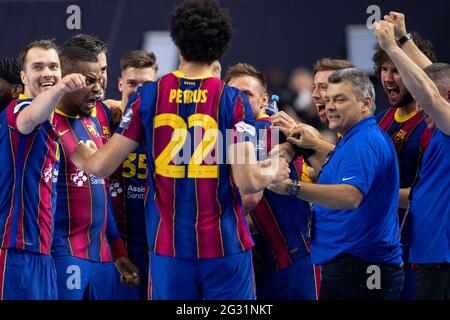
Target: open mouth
(393, 92)
(47, 84)
(92, 101)
(320, 108)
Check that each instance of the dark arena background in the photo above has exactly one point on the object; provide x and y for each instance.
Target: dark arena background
(276, 36)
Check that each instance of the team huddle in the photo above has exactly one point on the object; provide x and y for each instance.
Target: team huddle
(188, 188)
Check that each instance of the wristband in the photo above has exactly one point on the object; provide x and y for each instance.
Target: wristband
(293, 189)
(405, 38)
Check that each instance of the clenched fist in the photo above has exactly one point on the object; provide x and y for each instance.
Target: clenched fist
(384, 31)
(83, 152)
(72, 82)
(398, 19)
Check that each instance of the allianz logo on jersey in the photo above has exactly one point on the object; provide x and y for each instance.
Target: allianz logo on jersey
(115, 188)
(50, 173)
(80, 178)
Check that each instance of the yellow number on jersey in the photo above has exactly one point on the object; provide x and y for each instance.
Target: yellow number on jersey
(129, 168)
(195, 168)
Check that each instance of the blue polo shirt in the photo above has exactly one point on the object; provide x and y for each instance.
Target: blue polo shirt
(430, 207)
(365, 158)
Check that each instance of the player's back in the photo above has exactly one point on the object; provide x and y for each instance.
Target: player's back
(195, 208)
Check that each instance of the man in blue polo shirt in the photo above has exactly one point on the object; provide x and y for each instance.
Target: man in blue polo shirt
(355, 227)
(429, 207)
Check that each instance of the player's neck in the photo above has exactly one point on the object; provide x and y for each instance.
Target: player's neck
(65, 107)
(405, 110)
(193, 69)
(27, 92)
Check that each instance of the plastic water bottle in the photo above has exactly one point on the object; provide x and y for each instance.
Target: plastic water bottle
(272, 106)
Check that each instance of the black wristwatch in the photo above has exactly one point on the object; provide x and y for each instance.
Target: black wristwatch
(405, 38)
(293, 189)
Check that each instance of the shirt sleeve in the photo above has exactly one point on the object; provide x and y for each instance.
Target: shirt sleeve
(243, 120)
(131, 123)
(13, 110)
(358, 168)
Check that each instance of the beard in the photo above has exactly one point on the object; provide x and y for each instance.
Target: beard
(406, 99)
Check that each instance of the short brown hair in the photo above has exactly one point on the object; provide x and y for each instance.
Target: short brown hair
(45, 44)
(244, 69)
(328, 64)
(138, 59)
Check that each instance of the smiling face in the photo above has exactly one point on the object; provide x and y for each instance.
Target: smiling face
(343, 109)
(41, 72)
(392, 82)
(320, 86)
(83, 101)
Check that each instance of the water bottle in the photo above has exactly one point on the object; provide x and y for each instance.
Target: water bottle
(272, 106)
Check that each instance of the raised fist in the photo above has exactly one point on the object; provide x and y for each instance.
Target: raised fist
(72, 82)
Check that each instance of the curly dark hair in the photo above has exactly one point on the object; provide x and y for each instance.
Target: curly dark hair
(424, 45)
(201, 30)
(10, 70)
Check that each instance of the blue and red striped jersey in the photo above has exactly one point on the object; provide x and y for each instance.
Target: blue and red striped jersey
(281, 221)
(84, 222)
(30, 167)
(411, 138)
(193, 207)
(127, 191)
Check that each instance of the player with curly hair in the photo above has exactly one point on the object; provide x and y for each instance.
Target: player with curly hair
(197, 233)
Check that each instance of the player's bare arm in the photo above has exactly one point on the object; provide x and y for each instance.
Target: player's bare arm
(418, 83)
(252, 176)
(103, 162)
(250, 201)
(409, 47)
(42, 106)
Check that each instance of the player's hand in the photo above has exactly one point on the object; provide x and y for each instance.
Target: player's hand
(384, 31)
(111, 103)
(285, 150)
(282, 121)
(304, 136)
(280, 168)
(280, 187)
(83, 152)
(398, 19)
(72, 82)
(129, 274)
